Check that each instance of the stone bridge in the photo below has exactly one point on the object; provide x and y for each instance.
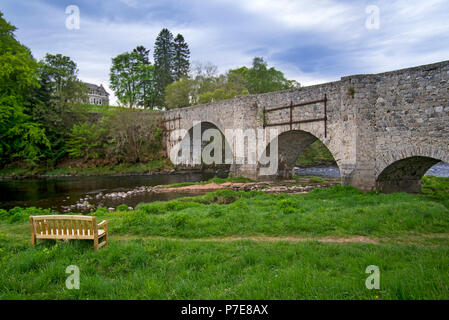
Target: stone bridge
(384, 130)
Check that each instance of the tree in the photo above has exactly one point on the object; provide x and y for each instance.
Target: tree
(20, 138)
(57, 103)
(143, 53)
(146, 78)
(179, 94)
(60, 74)
(147, 94)
(163, 62)
(205, 85)
(260, 79)
(132, 78)
(181, 62)
(124, 78)
(218, 95)
(236, 79)
(17, 65)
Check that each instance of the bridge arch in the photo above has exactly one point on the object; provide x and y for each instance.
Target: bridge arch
(291, 144)
(403, 170)
(188, 140)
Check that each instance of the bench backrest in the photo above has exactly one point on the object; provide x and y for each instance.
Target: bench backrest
(64, 225)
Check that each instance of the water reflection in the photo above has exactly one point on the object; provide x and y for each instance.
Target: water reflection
(63, 191)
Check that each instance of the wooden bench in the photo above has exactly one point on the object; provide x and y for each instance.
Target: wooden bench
(68, 227)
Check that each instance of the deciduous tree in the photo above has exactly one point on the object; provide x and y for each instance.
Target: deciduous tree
(20, 138)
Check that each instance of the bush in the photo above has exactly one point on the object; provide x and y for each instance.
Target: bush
(86, 141)
(120, 136)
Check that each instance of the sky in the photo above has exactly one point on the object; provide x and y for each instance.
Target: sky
(311, 41)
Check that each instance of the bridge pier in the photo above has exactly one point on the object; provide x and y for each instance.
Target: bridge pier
(249, 171)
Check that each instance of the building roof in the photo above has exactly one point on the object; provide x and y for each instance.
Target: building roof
(92, 86)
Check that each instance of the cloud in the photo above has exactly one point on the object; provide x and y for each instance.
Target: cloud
(130, 3)
(311, 41)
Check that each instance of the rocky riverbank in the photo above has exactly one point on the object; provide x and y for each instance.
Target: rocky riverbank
(300, 185)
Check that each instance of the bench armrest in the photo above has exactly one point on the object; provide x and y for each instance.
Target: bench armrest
(103, 223)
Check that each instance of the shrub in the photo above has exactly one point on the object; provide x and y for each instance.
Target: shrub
(86, 141)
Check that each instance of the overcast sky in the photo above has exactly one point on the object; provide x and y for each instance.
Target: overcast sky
(311, 41)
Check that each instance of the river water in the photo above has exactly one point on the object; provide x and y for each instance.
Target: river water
(441, 169)
(60, 193)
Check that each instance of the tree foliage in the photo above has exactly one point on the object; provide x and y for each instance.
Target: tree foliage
(43, 120)
(60, 74)
(20, 138)
(261, 79)
(146, 79)
(132, 78)
(181, 64)
(178, 94)
(122, 136)
(164, 52)
(204, 85)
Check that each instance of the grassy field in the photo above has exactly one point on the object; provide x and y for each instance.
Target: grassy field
(102, 109)
(237, 245)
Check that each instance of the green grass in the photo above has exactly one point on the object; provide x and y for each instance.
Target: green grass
(215, 179)
(181, 250)
(163, 269)
(93, 108)
(437, 188)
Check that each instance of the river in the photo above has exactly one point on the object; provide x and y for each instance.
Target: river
(59, 193)
(62, 192)
(441, 169)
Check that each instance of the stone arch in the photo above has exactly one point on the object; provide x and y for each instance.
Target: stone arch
(403, 169)
(405, 175)
(291, 144)
(205, 125)
(387, 157)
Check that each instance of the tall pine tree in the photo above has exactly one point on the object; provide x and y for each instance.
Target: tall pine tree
(163, 62)
(181, 62)
(146, 78)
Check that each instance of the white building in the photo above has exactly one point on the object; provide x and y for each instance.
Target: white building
(97, 94)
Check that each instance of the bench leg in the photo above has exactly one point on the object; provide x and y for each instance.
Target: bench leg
(33, 234)
(96, 244)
